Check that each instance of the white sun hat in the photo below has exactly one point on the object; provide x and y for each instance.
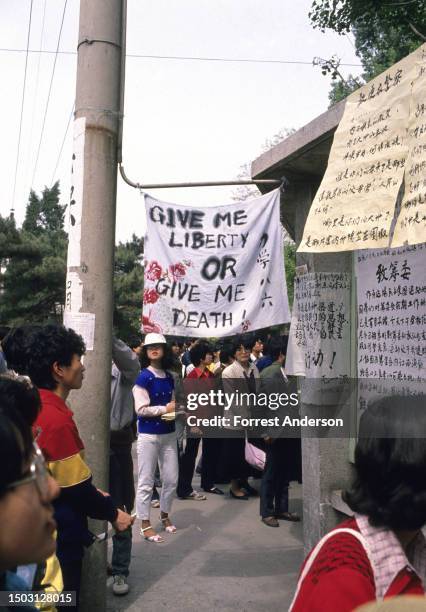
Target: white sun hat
(154, 339)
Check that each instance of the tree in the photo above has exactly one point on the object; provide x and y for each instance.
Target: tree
(128, 287)
(34, 262)
(384, 33)
(44, 214)
(290, 269)
(244, 192)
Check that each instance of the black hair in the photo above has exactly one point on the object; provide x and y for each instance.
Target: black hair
(390, 464)
(134, 341)
(199, 352)
(225, 354)
(19, 407)
(276, 346)
(4, 330)
(167, 360)
(16, 347)
(50, 344)
(247, 341)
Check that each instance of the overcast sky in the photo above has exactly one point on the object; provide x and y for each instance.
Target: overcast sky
(185, 120)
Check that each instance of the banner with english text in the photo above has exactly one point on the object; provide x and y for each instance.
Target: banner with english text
(214, 271)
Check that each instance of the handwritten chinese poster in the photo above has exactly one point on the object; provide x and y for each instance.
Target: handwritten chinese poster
(355, 204)
(214, 271)
(319, 342)
(391, 290)
(411, 223)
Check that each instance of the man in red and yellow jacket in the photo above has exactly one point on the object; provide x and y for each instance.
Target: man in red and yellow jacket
(53, 362)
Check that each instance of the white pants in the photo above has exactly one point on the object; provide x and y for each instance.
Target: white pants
(153, 449)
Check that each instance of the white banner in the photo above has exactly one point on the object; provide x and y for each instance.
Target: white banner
(320, 326)
(391, 290)
(214, 271)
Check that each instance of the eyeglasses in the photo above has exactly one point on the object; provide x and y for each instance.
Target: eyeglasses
(37, 473)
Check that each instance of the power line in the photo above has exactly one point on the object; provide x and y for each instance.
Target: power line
(22, 107)
(50, 90)
(187, 58)
(226, 59)
(62, 145)
(36, 93)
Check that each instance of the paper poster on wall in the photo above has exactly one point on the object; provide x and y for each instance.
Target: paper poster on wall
(355, 203)
(411, 222)
(391, 295)
(76, 194)
(319, 342)
(82, 323)
(216, 270)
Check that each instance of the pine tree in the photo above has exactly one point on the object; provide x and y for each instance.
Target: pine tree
(128, 287)
(34, 262)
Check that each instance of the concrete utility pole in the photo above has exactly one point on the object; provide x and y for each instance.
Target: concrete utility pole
(91, 243)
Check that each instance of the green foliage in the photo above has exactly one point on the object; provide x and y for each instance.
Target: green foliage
(9, 238)
(128, 287)
(290, 269)
(342, 15)
(341, 89)
(33, 268)
(44, 214)
(384, 32)
(34, 262)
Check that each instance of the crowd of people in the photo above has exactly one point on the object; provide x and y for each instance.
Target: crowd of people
(47, 492)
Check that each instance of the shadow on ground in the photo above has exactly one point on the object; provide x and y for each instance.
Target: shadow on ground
(222, 557)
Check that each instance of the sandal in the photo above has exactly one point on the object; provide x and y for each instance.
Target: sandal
(195, 496)
(168, 528)
(157, 539)
(271, 521)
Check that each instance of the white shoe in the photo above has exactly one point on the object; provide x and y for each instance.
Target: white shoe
(120, 586)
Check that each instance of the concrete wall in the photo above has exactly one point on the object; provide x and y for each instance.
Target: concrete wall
(326, 465)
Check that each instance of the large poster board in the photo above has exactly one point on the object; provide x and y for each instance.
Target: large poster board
(355, 204)
(320, 326)
(411, 223)
(391, 290)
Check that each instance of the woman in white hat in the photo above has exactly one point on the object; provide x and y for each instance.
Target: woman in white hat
(154, 399)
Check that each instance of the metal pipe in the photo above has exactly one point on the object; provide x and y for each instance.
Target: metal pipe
(199, 184)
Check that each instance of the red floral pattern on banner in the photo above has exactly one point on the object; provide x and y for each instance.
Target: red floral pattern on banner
(150, 296)
(245, 325)
(150, 326)
(177, 270)
(153, 271)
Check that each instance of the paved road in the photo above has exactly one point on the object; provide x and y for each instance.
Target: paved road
(222, 558)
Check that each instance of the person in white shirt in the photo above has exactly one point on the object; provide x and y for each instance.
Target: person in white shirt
(157, 443)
